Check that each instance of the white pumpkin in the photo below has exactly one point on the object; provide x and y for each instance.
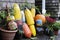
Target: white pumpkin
(12, 25)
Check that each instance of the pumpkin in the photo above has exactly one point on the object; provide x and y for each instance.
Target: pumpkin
(41, 17)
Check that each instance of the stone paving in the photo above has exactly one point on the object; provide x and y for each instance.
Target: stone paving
(40, 37)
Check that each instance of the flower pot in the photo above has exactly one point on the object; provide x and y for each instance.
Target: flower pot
(51, 33)
(56, 32)
(7, 35)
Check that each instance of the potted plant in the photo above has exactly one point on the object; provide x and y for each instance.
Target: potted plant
(49, 25)
(8, 27)
(56, 27)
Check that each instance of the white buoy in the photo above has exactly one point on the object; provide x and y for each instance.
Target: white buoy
(23, 16)
(43, 7)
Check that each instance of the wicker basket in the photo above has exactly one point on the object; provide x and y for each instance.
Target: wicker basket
(7, 35)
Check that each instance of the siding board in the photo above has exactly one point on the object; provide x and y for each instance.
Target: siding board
(10, 2)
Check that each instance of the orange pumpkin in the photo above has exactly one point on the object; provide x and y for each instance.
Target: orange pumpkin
(41, 17)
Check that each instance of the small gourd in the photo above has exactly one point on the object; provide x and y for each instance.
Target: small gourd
(12, 25)
(10, 17)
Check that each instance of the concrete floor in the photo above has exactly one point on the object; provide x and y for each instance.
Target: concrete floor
(39, 37)
(42, 37)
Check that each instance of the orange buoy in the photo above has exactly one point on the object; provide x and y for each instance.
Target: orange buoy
(26, 30)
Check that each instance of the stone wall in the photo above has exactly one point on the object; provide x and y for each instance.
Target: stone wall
(20, 2)
(52, 6)
(59, 11)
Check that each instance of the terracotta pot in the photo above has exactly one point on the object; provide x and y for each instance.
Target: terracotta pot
(7, 35)
(56, 32)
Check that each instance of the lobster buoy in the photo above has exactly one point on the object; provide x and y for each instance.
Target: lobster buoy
(26, 30)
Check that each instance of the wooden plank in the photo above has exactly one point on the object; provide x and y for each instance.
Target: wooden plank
(10, 4)
(31, 1)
